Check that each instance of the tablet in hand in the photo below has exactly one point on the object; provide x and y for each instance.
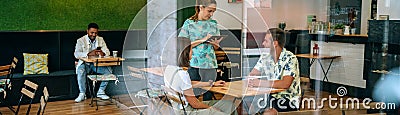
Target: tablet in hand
(216, 38)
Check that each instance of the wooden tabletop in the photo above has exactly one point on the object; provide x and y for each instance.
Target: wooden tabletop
(154, 70)
(320, 56)
(104, 59)
(227, 52)
(350, 35)
(230, 48)
(385, 72)
(239, 89)
(381, 71)
(356, 35)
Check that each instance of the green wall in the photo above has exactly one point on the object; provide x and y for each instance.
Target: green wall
(20, 15)
(185, 10)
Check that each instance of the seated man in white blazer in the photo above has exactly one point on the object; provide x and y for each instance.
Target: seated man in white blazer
(86, 46)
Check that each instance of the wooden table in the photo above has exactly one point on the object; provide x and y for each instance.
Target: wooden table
(384, 73)
(157, 70)
(105, 61)
(154, 70)
(226, 52)
(231, 48)
(319, 58)
(381, 71)
(239, 89)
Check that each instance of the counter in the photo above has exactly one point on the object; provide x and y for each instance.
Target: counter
(348, 70)
(355, 39)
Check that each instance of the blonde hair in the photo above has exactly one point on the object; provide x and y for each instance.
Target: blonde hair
(202, 3)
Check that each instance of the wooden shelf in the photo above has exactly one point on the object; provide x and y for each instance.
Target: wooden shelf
(355, 35)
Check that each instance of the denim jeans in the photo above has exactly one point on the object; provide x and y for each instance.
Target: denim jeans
(90, 67)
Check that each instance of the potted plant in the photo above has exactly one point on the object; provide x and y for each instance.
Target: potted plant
(339, 29)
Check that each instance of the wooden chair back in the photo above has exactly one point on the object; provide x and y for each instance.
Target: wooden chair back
(8, 69)
(4, 70)
(43, 101)
(108, 62)
(28, 90)
(5, 83)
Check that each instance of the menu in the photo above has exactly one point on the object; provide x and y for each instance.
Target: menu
(346, 12)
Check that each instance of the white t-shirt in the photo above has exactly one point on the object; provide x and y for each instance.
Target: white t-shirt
(178, 80)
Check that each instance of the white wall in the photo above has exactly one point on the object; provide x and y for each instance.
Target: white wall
(389, 7)
(293, 12)
(229, 15)
(365, 16)
(345, 70)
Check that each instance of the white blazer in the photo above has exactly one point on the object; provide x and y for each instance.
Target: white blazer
(82, 48)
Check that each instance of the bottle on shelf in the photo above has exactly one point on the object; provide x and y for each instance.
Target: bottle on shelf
(313, 25)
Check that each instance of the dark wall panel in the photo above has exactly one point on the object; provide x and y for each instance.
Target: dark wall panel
(59, 45)
(16, 43)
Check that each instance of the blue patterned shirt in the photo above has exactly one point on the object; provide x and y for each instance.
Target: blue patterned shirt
(287, 65)
(203, 55)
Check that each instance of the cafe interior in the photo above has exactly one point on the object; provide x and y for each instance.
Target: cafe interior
(347, 52)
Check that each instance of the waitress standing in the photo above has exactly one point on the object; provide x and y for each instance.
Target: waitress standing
(199, 28)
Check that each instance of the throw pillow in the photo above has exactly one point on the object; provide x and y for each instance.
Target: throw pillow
(35, 64)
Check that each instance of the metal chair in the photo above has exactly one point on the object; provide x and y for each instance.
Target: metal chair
(29, 90)
(102, 62)
(5, 83)
(43, 101)
(304, 82)
(155, 95)
(174, 96)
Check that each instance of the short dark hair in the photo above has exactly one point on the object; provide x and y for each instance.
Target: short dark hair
(93, 25)
(278, 35)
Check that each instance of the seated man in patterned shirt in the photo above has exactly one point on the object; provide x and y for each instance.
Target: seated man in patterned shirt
(282, 71)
